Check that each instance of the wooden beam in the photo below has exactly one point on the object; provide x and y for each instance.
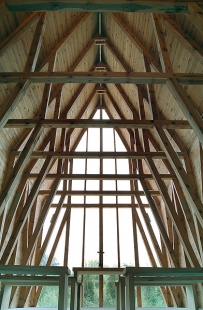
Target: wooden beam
(102, 77)
(138, 155)
(187, 107)
(161, 43)
(33, 239)
(8, 250)
(17, 171)
(98, 205)
(147, 6)
(182, 176)
(100, 193)
(180, 229)
(23, 83)
(14, 36)
(86, 123)
(164, 272)
(146, 176)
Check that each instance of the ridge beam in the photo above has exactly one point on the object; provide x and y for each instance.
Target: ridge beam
(86, 123)
(147, 6)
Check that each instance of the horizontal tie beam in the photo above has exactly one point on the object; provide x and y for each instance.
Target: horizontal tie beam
(101, 77)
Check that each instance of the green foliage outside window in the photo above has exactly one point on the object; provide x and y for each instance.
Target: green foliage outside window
(151, 296)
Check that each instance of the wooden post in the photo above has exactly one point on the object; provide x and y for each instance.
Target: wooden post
(122, 293)
(191, 298)
(73, 300)
(130, 291)
(5, 296)
(63, 292)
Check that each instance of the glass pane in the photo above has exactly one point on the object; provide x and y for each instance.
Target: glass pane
(93, 166)
(147, 234)
(109, 185)
(126, 237)
(143, 255)
(109, 290)
(123, 185)
(109, 199)
(92, 199)
(92, 236)
(94, 139)
(91, 290)
(109, 166)
(92, 185)
(122, 166)
(77, 199)
(119, 144)
(152, 297)
(108, 140)
(97, 115)
(110, 237)
(78, 185)
(75, 240)
(82, 144)
(104, 115)
(124, 199)
(78, 165)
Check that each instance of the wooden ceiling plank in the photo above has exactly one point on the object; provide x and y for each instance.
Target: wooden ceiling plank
(182, 176)
(187, 107)
(102, 77)
(125, 66)
(194, 48)
(18, 32)
(171, 211)
(133, 37)
(63, 40)
(19, 90)
(7, 252)
(17, 171)
(126, 99)
(195, 14)
(86, 123)
(146, 6)
(73, 68)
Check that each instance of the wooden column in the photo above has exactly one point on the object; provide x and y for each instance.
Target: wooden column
(5, 296)
(130, 291)
(63, 292)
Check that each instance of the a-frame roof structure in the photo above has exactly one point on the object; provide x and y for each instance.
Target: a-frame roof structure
(141, 62)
